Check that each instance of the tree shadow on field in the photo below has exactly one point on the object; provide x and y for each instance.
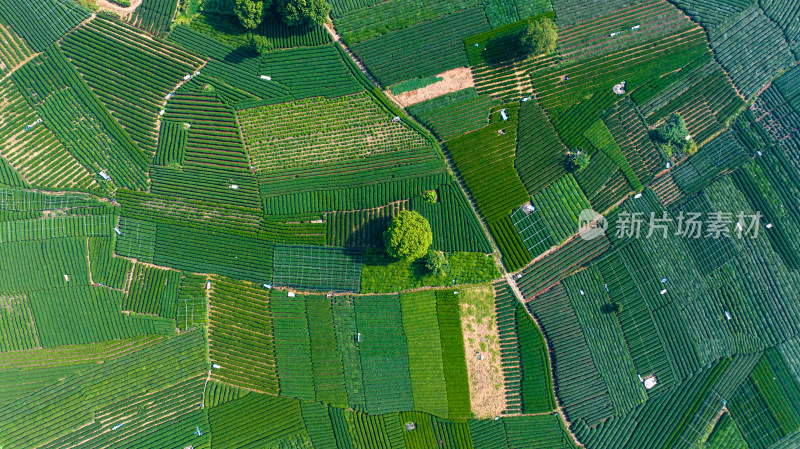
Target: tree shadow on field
(607, 309)
(240, 55)
(378, 257)
(502, 50)
(369, 233)
(418, 269)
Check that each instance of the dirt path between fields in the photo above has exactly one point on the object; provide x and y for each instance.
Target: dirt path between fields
(336, 38)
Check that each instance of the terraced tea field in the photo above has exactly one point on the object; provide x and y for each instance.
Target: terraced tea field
(576, 228)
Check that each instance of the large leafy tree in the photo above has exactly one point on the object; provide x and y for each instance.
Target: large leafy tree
(538, 38)
(304, 12)
(674, 130)
(577, 160)
(250, 12)
(409, 236)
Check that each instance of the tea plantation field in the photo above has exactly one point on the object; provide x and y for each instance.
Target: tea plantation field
(400, 224)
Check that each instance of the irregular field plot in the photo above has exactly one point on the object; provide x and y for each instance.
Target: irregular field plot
(317, 131)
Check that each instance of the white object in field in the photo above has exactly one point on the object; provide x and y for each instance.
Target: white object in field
(196, 73)
(739, 226)
(607, 290)
(518, 276)
(291, 294)
(215, 366)
(526, 99)
(582, 292)
(637, 196)
(528, 208)
(162, 112)
(33, 124)
(266, 286)
(758, 152)
(208, 285)
(455, 293)
(187, 77)
(118, 426)
(480, 357)
(104, 176)
(396, 119)
(663, 292)
(503, 114)
(650, 382)
(635, 27)
(768, 226)
(728, 315)
(66, 278)
(619, 89)
(411, 425)
(265, 77)
(688, 137)
(330, 295)
(614, 34)
(668, 165)
(476, 45)
(168, 96)
(358, 337)
(117, 231)
(664, 281)
(234, 186)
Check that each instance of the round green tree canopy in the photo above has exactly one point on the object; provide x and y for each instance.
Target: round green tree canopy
(538, 38)
(249, 12)
(409, 236)
(674, 130)
(304, 12)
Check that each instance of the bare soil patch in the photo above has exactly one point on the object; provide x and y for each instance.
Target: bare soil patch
(113, 7)
(455, 79)
(482, 344)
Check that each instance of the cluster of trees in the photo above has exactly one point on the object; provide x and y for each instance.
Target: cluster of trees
(294, 12)
(674, 134)
(409, 237)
